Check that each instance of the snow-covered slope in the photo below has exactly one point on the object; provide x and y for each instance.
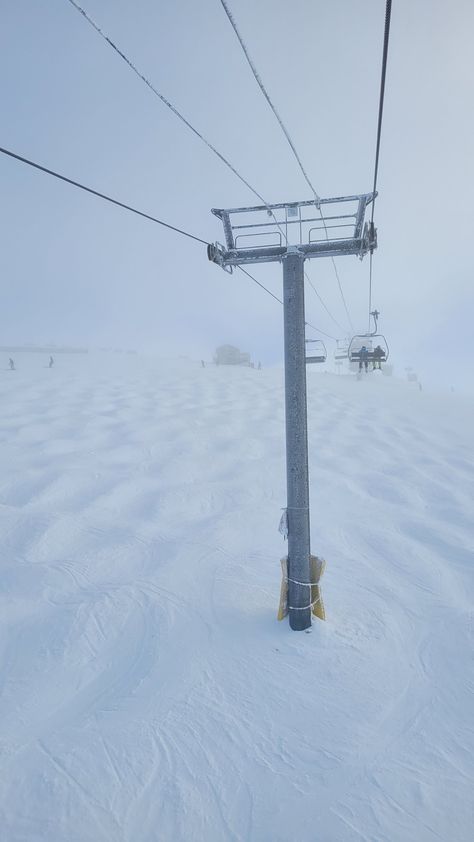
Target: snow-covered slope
(147, 691)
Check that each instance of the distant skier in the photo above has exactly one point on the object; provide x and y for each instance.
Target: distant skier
(51, 362)
(11, 364)
(364, 358)
(259, 366)
(378, 357)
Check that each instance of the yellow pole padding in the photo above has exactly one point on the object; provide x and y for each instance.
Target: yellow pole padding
(317, 568)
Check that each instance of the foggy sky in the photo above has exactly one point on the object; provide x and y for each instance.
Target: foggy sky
(77, 270)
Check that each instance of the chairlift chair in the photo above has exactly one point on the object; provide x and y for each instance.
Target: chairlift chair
(316, 351)
(371, 342)
(342, 347)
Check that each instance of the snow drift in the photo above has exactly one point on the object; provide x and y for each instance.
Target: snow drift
(148, 691)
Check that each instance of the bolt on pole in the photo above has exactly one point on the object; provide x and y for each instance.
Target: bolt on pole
(297, 479)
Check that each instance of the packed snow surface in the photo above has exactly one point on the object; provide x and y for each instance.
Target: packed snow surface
(147, 691)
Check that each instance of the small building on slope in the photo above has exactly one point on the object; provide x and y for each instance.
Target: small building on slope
(228, 355)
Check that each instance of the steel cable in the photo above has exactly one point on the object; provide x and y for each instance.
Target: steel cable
(101, 195)
(386, 37)
(186, 122)
(328, 335)
(267, 96)
(163, 99)
(287, 135)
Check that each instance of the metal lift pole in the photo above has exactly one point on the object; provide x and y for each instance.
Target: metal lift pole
(343, 232)
(297, 479)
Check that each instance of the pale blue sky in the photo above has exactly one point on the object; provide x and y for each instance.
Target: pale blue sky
(74, 269)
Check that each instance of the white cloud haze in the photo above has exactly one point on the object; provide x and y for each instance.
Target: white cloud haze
(75, 269)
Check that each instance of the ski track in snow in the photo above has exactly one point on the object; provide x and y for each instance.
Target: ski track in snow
(147, 691)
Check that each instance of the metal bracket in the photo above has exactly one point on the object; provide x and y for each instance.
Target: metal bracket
(369, 239)
(216, 254)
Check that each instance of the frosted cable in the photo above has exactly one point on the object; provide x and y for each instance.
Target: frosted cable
(267, 97)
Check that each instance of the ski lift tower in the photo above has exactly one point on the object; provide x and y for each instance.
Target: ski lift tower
(291, 233)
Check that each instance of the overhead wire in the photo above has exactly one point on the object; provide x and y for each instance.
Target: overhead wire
(281, 302)
(336, 272)
(163, 99)
(338, 324)
(148, 216)
(260, 284)
(386, 37)
(267, 96)
(101, 195)
(321, 331)
(186, 122)
(285, 131)
(226, 162)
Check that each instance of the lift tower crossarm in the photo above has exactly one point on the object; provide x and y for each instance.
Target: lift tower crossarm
(325, 248)
(291, 225)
